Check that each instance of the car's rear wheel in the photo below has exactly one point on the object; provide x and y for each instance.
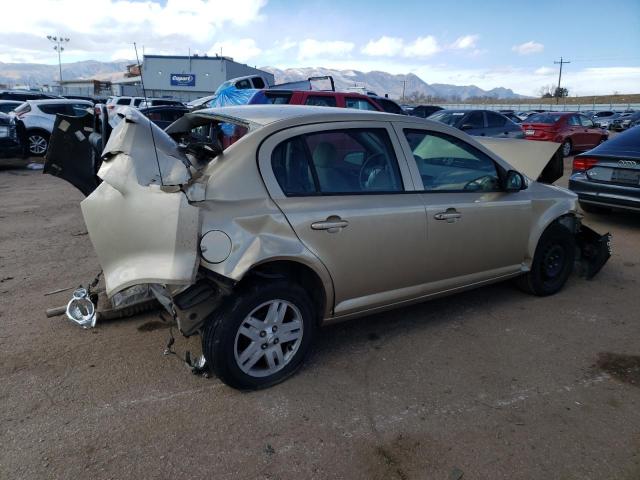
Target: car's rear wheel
(37, 143)
(552, 262)
(567, 146)
(260, 336)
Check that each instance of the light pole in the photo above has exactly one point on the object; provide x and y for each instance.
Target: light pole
(58, 43)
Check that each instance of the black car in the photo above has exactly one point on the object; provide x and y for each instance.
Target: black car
(609, 175)
(164, 115)
(479, 122)
(388, 105)
(423, 111)
(10, 144)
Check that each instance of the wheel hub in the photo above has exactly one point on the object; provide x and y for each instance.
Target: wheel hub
(553, 261)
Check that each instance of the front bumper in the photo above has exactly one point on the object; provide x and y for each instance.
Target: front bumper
(608, 195)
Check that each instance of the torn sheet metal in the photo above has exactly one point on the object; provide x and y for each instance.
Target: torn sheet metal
(134, 137)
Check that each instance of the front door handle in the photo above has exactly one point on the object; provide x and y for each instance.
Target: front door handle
(332, 224)
(450, 215)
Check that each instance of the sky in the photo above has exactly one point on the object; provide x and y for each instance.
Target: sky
(486, 43)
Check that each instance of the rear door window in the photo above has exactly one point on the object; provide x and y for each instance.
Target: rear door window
(124, 101)
(136, 102)
(349, 161)
(586, 122)
(54, 108)
(321, 101)
(359, 103)
(495, 120)
(475, 120)
(573, 121)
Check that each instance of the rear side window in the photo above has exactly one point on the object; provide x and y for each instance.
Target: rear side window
(258, 83)
(573, 121)
(475, 120)
(350, 161)
(123, 101)
(278, 98)
(495, 120)
(136, 102)
(243, 84)
(78, 109)
(586, 122)
(321, 101)
(359, 103)
(54, 108)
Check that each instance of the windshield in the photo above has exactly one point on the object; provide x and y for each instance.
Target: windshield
(450, 118)
(548, 118)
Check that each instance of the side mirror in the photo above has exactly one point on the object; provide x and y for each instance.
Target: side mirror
(514, 182)
(466, 126)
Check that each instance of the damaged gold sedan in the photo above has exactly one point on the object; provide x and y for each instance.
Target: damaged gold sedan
(254, 225)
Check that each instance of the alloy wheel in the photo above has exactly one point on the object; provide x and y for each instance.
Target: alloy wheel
(268, 338)
(37, 144)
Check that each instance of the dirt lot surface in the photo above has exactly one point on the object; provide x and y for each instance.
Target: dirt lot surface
(489, 384)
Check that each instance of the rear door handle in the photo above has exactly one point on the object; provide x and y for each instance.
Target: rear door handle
(451, 215)
(332, 224)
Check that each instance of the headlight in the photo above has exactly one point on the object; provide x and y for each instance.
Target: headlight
(4, 131)
(81, 309)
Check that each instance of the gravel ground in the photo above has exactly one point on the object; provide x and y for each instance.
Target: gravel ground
(488, 384)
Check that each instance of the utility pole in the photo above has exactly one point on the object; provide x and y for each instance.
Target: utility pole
(58, 43)
(561, 62)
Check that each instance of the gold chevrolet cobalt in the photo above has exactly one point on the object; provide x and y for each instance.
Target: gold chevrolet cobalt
(254, 225)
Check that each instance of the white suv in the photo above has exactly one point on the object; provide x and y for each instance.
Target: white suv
(38, 117)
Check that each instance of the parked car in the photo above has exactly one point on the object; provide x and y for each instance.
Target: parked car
(164, 115)
(38, 117)
(388, 105)
(315, 98)
(609, 175)
(10, 141)
(316, 215)
(607, 122)
(424, 111)
(573, 130)
(602, 115)
(158, 102)
(7, 106)
(114, 102)
(624, 121)
(479, 122)
(24, 95)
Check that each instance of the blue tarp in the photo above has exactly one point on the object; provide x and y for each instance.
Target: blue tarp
(232, 96)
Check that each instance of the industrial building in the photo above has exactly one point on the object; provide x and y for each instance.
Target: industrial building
(184, 77)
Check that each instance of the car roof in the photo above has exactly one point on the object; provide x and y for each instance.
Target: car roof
(262, 115)
(48, 101)
(11, 101)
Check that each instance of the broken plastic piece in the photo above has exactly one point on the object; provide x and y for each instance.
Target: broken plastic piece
(81, 309)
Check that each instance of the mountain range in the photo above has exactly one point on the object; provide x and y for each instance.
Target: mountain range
(34, 75)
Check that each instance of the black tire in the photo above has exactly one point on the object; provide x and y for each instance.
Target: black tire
(552, 262)
(589, 208)
(37, 142)
(566, 148)
(219, 336)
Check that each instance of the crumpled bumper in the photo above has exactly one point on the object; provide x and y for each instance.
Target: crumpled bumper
(595, 250)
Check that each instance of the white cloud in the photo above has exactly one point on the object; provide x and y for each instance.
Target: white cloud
(468, 41)
(544, 71)
(422, 47)
(384, 47)
(315, 49)
(106, 27)
(240, 50)
(528, 48)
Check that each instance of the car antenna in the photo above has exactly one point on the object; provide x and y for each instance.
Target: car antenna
(144, 94)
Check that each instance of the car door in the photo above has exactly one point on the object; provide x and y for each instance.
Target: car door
(346, 190)
(592, 134)
(576, 131)
(473, 123)
(496, 125)
(475, 230)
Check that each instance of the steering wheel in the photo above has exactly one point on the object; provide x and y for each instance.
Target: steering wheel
(479, 183)
(369, 170)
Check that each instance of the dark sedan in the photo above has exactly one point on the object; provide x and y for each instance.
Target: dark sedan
(609, 175)
(424, 111)
(479, 122)
(10, 144)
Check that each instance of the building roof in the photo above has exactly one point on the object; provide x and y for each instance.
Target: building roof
(192, 57)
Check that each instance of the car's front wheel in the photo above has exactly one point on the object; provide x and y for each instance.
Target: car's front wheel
(261, 335)
(37, 143)
(552, 262)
